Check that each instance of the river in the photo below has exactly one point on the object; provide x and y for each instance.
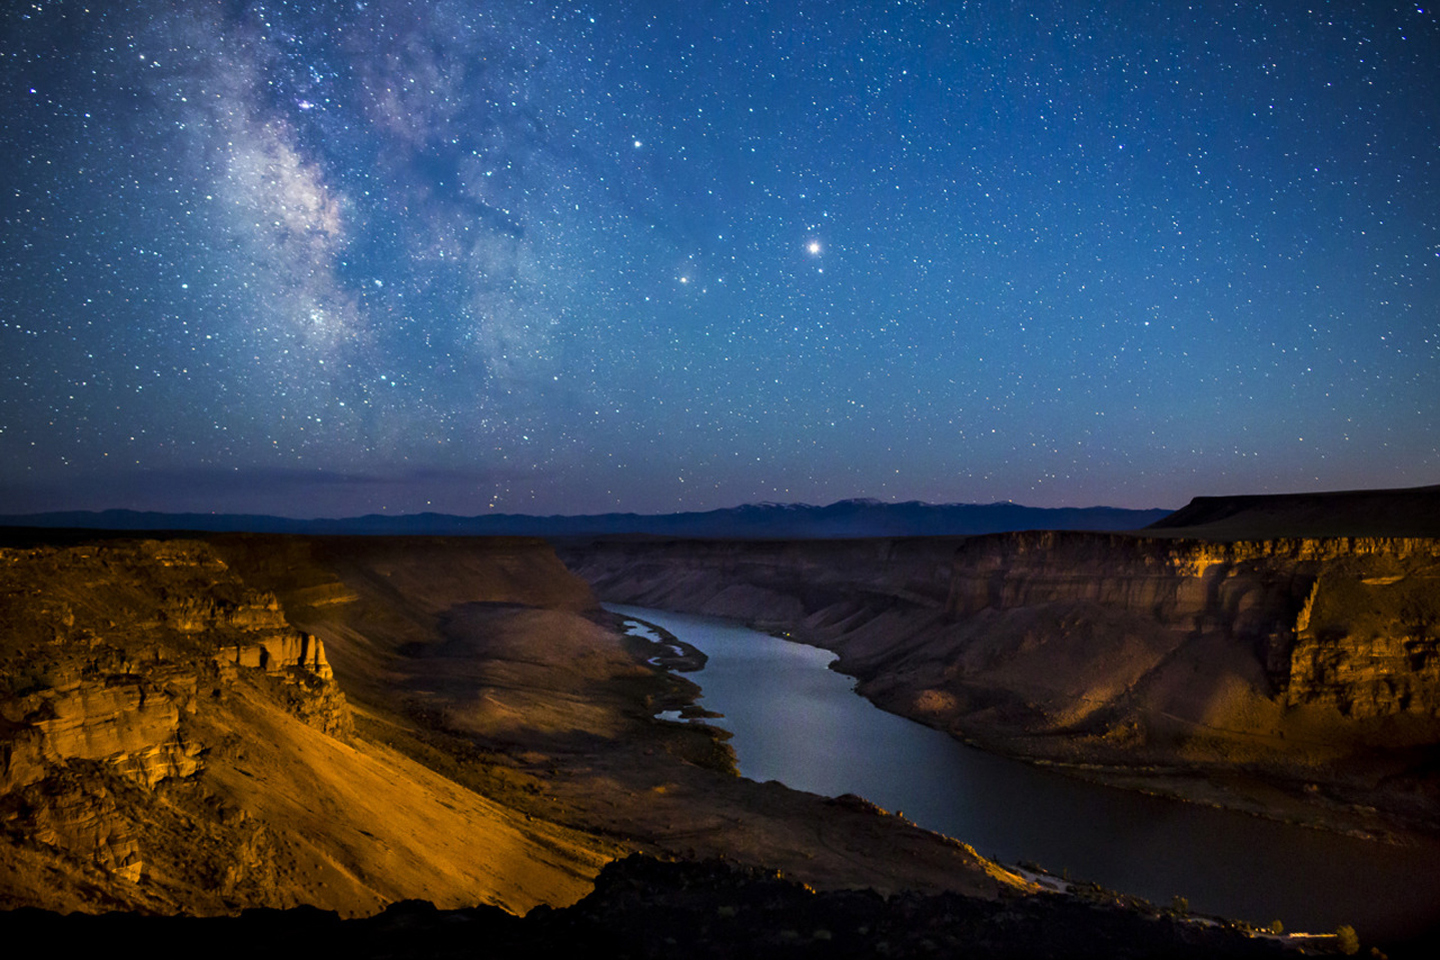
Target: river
(797, 722)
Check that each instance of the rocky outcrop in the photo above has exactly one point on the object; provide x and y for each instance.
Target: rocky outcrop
(134, 633)
(136, 733)
(116, 659)
(1368, 641)
(170, 741)
(278, 652)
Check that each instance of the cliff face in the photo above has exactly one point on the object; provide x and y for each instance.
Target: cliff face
(1345, 622)
(170, 741)
(1366, 639)
(1290, 656)
(108, 648)
(115, 664)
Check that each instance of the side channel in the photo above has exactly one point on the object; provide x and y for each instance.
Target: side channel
(797, 722)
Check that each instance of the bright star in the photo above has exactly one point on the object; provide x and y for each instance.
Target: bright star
(813, 247)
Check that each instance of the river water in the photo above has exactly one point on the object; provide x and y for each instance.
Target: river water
(797, 722)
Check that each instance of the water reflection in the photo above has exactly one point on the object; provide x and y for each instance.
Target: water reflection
(795, 721)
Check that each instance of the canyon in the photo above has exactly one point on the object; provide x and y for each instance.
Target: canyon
(1296, 678)
(209, 724)
(265, 721)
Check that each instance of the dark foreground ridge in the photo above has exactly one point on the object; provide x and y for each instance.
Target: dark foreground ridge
(642, 907)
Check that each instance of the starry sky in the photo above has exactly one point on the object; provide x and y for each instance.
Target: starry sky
(324, 259)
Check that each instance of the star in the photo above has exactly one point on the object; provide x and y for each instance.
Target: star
(308, 200)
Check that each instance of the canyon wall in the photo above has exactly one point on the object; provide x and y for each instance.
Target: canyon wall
(170, 741)
(1313, 659)
(112, 664)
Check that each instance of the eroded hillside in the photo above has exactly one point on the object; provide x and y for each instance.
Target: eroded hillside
(171, 742)
(1311, 663)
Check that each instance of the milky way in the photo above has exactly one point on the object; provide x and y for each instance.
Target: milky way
(332, 259)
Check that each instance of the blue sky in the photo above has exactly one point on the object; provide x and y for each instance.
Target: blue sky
(546, 258)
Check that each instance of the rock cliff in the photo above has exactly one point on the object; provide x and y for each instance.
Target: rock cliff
(169, 740)
(113, 661)
(1309, 659)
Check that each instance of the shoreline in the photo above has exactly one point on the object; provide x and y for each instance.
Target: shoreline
(1043, 879)
(1287, 801)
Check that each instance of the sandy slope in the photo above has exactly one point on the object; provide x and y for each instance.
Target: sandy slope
(144, 766)
(365, 826)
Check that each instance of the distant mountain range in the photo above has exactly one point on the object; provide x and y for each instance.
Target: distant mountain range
(780, 521)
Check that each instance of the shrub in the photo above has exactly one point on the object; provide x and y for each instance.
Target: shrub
(1347, 940)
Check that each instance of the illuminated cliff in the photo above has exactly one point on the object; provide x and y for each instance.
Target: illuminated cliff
(169, 741)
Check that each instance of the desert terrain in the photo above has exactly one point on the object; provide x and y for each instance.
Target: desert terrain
(218, 724)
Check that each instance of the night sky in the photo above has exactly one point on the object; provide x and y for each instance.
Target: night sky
(328, 259)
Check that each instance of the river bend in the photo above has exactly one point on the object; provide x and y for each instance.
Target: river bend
(797, 722)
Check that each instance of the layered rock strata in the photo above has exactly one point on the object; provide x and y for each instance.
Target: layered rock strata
(170, 741)
(109, 653)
